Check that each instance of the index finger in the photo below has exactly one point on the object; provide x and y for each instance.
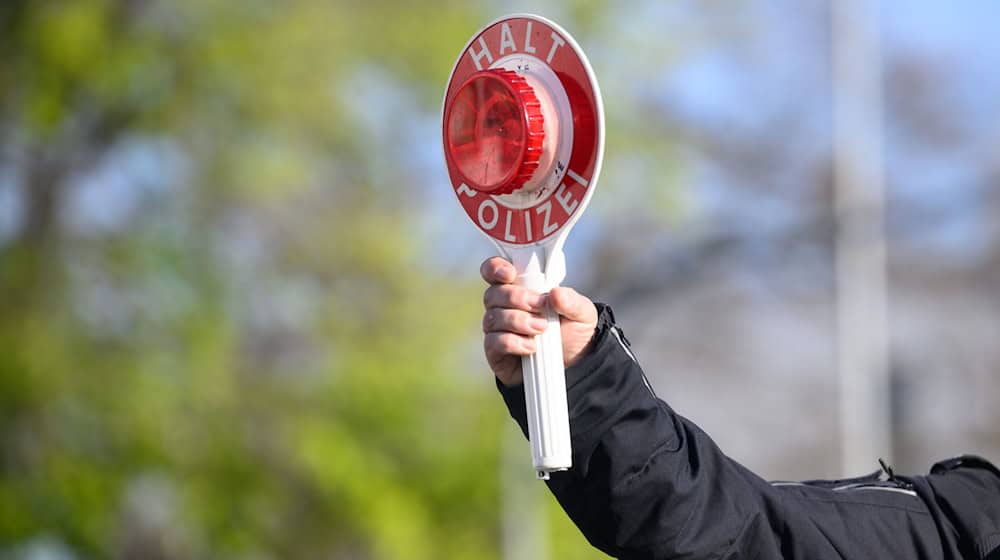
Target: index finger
(497, 270)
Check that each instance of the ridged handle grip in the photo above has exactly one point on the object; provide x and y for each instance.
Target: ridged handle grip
(545, 392)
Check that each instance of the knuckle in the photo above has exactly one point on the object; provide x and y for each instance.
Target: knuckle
(492, 344)
(501, 321)
(498, 344)
(518, 321)
(510, 343)
(504, 296)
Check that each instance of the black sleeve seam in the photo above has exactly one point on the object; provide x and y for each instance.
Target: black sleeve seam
(740, 533)
(661, 448)
(857, 503)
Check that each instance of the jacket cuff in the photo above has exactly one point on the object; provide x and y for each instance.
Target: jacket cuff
(603, 341)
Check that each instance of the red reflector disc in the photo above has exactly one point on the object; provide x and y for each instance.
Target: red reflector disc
(493, 131)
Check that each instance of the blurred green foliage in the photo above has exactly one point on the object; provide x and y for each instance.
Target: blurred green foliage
(154, 403)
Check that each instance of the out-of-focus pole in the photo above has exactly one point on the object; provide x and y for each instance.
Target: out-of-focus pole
(524, 530)
(862, 325)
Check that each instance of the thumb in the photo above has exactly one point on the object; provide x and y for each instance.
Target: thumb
(570, 304)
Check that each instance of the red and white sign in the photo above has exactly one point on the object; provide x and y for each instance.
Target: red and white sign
(523, 130)
(522, 125)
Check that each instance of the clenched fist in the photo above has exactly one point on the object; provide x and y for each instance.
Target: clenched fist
(514, 315)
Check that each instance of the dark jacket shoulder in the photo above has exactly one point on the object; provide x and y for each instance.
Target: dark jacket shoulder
(963, 495)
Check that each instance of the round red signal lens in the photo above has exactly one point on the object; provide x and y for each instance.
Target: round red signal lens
(494, 131)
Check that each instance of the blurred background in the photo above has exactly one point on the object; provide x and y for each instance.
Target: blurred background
(240, 307)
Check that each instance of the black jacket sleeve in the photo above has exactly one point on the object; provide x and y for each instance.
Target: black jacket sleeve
(646, 483)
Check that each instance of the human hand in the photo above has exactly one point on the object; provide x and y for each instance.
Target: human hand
(514, 315)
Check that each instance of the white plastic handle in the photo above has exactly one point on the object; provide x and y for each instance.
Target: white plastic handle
(545, 381)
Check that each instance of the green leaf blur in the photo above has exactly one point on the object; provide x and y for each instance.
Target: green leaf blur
(256, 361)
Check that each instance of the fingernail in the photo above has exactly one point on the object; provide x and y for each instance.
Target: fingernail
(539, 324)
(500, 272)
(529, 345)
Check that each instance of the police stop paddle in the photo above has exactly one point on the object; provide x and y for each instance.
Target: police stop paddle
(523, 133)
